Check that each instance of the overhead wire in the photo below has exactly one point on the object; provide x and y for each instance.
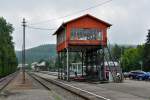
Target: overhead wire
(61, 17)
(37, 28)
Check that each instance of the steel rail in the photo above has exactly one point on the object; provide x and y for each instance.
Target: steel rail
(6, 80)
(39, 81)
(67, 88)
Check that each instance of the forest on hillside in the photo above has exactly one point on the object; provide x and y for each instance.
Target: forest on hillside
(36, 54)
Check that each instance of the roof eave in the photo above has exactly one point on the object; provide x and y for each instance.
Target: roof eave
(60, 27)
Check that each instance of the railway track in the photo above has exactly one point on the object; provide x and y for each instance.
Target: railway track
(66, 91)
(6, 80)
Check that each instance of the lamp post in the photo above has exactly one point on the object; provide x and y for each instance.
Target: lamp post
(141, 63)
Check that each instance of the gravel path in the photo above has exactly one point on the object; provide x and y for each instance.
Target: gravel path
(31, 90)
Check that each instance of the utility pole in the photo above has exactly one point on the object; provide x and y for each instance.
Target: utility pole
(23, 52)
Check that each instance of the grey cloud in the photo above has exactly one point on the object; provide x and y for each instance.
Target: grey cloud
(130, 18)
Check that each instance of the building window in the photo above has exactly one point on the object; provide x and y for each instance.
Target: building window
(61, 37)
(85, 34)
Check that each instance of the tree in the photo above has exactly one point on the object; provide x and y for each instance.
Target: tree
(8, 61)
(131, 58)
(148, 38)
(116, 52)
(147, 53)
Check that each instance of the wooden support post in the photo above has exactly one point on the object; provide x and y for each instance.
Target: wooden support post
(61, 75)
(67, 65)
(102, 65)
(82, 63)
(99, 66)
(58, 65)
(86, 62)
(64, 66)
(103, 70)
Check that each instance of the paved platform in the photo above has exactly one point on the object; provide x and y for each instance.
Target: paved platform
(129, 90)
(31, 90)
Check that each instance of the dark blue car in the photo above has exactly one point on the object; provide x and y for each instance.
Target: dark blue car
(133, 74)
(142, 76)
(139, 75)
(148, 75)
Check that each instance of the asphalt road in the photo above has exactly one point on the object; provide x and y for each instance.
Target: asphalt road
(128, 90)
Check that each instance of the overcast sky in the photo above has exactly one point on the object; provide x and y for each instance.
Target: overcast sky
(130, 19)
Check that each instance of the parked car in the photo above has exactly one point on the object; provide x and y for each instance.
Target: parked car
(133, 74)
(148, 75)
(142, 75)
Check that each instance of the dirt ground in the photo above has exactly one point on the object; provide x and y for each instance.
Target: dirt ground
(31, 90)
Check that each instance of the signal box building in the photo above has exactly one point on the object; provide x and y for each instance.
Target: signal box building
(87, 35)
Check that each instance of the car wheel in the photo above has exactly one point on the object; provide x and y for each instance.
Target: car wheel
(140, 78)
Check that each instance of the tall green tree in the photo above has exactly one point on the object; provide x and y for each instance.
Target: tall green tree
(8, 61)
(116, 52)
(131, 59)
(147, 53)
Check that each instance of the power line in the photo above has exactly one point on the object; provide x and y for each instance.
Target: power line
(61, 17)
(37, 28)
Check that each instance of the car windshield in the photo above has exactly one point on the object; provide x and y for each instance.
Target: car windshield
(142, 73)
(148, 72)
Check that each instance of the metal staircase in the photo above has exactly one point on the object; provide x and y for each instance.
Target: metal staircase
(113, 69)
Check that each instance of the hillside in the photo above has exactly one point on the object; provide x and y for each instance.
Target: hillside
(46, 52)
(35, 54)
